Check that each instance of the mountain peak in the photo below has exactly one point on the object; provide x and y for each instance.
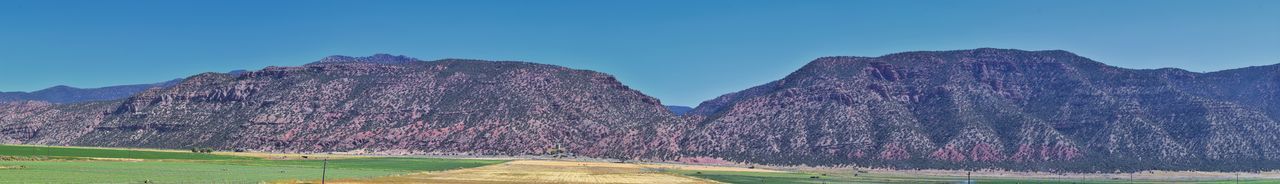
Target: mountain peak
(978, 51)
(958, 56)
(67, 94)
(379, 58)
(59, 88)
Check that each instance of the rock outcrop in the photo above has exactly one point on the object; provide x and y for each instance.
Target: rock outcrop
(379, 103)
(1044, 110)
(964, 109)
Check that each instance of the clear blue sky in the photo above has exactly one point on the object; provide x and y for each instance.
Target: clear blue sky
(682, 52)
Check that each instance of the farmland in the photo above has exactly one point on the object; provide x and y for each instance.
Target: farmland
(74, 152)
(560, 171)
(32, 164)
(43, 164)
(541, 171)
(920, 177)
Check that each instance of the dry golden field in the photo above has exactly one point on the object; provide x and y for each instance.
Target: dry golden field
(548, 171)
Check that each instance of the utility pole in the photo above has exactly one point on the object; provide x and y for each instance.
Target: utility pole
(968, 177)
(324, 170)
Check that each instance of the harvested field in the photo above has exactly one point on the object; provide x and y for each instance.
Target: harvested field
(547, 171)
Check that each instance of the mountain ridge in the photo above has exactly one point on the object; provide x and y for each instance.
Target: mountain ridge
(379, 58)
(68, 94)
(992, 108)
(962, 109)
(450, 106)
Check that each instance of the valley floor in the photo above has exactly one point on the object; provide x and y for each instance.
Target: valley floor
(544, 171)
(554, 171)
(45, 164)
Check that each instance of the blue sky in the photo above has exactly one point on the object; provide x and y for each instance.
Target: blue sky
(682, 52)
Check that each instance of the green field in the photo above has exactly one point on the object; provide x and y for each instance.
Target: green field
(74, 152)
(33, 164)
(811, 178)
(40, 164)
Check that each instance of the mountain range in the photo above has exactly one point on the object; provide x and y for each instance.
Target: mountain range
(679, 110)
(67, 94)
(962, 109)
(1041, 110)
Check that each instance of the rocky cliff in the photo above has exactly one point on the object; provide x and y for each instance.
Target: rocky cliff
(1044, 110)
(377, 103)
(964, 109)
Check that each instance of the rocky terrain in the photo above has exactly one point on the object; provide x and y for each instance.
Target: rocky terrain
(382, 103)
(964, 109)
(1043, 110)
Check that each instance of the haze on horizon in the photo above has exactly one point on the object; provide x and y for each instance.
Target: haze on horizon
(680, 52)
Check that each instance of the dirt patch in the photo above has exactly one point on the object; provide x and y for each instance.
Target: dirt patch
(703, 167)
(288, 156)
(116, 159)
(545, 171)
(705, 160)
(3, 167)
(14, 158)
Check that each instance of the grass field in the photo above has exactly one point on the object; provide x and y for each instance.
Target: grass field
(556, 171)
(78, 152)
(36, 164)
(41, 164)
(746, 177)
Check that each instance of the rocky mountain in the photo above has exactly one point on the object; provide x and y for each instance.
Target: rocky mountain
(382, 103)
(963, 109)
(376, 58)
(67, 94)
(1040, 110)
(679, 110)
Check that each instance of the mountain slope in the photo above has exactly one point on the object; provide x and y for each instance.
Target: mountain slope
(442, 107)
(964, 109)
(1044, 110)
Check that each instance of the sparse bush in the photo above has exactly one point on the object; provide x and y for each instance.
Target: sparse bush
(202, 150)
